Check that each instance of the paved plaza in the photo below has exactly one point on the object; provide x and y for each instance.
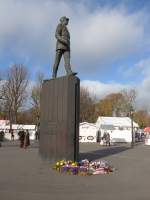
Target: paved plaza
(24, 176)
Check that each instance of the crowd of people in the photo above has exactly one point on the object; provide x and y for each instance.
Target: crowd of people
(23, 137)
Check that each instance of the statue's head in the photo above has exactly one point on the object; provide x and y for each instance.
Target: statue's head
(64, 20)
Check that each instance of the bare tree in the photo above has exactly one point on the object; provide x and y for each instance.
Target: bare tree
(14, 90)
(87, 106)
(35, 96)
(2, 115)
(129, 100)
(110, 105)
(116, 104)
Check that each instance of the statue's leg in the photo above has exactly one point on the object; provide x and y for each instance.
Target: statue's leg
(57, 61)
(67, 62)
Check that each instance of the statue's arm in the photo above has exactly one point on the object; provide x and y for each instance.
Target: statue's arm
(58, 35)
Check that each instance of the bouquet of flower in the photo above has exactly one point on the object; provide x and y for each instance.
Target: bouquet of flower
(84, 167)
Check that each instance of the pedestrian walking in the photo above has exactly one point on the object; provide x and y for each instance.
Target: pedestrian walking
(21, 138)
(104, 138)
(36, 135)
(107, 139)
(26, 139)
(12, 135)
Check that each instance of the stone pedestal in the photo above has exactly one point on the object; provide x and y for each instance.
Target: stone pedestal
(59, 120)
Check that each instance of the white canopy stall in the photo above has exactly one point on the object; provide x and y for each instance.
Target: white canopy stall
(5, 127)
(88, 132)
(119, 128)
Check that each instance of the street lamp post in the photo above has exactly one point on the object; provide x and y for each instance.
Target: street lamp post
(132, 132)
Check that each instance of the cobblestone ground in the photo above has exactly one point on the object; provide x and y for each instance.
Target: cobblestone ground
(24, 176)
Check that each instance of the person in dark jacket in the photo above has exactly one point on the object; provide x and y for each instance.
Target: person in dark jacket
(62, 47)
(107, 139)
(26, 139)
(21, 138)
(12, 134)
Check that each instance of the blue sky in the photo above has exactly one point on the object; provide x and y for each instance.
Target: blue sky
(110, 41)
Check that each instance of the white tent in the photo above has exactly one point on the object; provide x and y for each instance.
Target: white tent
(119, 128)
(16, 128)
(87, 132)
(3, 124)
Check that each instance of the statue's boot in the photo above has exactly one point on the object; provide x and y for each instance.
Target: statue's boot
(72, 73)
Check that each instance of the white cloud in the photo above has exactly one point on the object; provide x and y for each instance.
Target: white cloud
(142, 87)
(103, 35)
(141, 68)
(107, 35)
(144, 66)
(100, 90)
(143, 98)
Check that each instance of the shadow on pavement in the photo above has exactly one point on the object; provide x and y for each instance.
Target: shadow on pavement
(107, 151)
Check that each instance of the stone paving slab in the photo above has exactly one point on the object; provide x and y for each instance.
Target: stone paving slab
(24, 176)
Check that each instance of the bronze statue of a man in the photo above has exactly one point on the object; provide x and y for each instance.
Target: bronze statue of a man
(62, 47)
